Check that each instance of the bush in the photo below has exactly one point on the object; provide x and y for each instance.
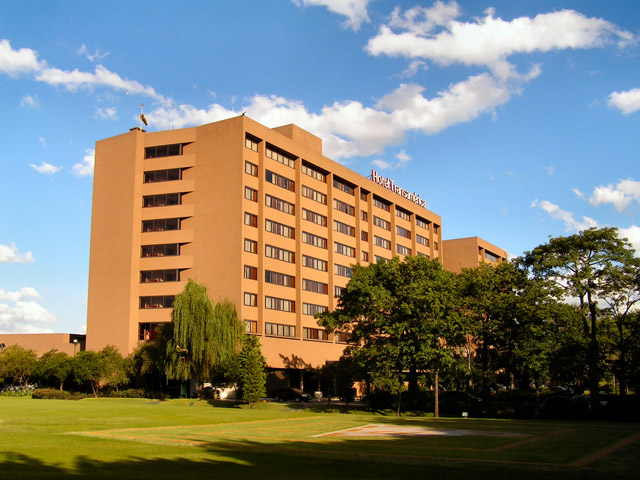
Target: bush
(16, 390)
(55, 394)
(129, 393)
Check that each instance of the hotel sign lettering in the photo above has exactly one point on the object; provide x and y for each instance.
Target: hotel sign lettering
(390, 184)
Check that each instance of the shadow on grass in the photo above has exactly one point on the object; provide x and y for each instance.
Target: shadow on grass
(368, 459)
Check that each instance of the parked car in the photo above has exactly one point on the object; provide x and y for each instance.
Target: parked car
(290, 394)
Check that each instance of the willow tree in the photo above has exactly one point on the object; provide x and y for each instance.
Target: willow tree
(202, 336)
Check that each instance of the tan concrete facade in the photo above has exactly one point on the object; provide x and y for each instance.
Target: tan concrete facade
(470, 252)
(44, 342)
(258, 215)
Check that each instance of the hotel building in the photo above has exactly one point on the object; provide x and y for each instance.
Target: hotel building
(470, 252)
(257, 215)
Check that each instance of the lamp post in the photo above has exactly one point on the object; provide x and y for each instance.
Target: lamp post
(75, 345)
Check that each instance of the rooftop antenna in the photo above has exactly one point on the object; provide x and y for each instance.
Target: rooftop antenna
(142, 117)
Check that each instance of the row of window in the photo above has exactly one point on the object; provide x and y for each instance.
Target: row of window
(163, 150)
(162, 200)
(279, 156)
(162, 250)
(171, 275)
(314, 172)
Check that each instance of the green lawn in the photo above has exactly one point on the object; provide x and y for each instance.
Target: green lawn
(143, 439)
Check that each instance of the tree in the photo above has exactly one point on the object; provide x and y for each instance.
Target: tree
(113, 367)
(202, 337)
(87, 368)
(584, 267)
(18, 363)
(252, 377)
(401, 316)
(55, 365)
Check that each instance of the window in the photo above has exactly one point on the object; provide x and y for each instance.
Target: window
(314, 195)
(280, 181)
(279, 330)
(435, 246)
(382, 242)
(251, 142)
(363, 195)
(343, 271)
(314, 217)
(380, 259)
(379, 222)
(315, 287)
(343, 207)
(422, 240)
(279, 254)
(162, 250)
(161, 224)
(403, 232)
(314, 240)
(343, 337)
(315, 263)
(279, 229)
(420, 254)
(364, 236)
(162, 200)
(402, 250)
(279, 156)
(365, 256)
(420, 222)
(311, 309)
(147, 331)
(337, 291)
(402, 214)
(279, 279)
(163, 175)
(251, 169)
(250, 326)
(171, 275)
(278, 204)
(378, 202)
(342, 185)
(250, 246)
(250, 219)
(314, 334)
(280, 304)
(250, 299)
(436, 228)
(344, 228)
(491, 256)
(158, 301)
(163, 150)
(250, 272)
(250, 194)
(364, 215)
(344, 249)
(313, 172)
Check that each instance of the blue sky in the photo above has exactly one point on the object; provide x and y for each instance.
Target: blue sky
(514, 120)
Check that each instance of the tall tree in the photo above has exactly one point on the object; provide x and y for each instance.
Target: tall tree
(584, 267)
(55, 365)
(19, 363)
(252, 377)
(202, 337)
(402, 319)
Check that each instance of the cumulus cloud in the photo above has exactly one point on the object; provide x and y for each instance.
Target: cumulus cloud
(106, 113)
(632, 234)
(570, 223)
(354, 10)
(91, 56)
(14, 62)
(381, 164)
(435, 34)
(620, 195)
(578, 193)
(627, 101)
(413, 68)
(19, 313)
(85, 167)
(29, 101)
(10, 254)
(45, 168)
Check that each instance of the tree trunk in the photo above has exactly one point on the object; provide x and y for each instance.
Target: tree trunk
(399, 412)
(622, 371)
(594, 385)
(436, 412)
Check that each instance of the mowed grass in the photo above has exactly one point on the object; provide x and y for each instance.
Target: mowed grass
(136, 438)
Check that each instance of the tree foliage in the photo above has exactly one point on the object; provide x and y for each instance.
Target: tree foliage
(54, 366)
(19, 363)
(252, 377)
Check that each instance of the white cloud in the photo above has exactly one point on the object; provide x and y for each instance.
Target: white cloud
(102, 76)
(570, 223)
(29, 101)
(549, 170)
(45, 168)
(621, 196)
(435, 34)
(354, 10)
(10, 254)
(92, 57)
(14, 62)
(578, 193)
(42, 141)
(106, 113)
(85, 167)
(413, 68)
(627, 102)
(22, 315)
(403, 158)
(632, 234)
(381, 164)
